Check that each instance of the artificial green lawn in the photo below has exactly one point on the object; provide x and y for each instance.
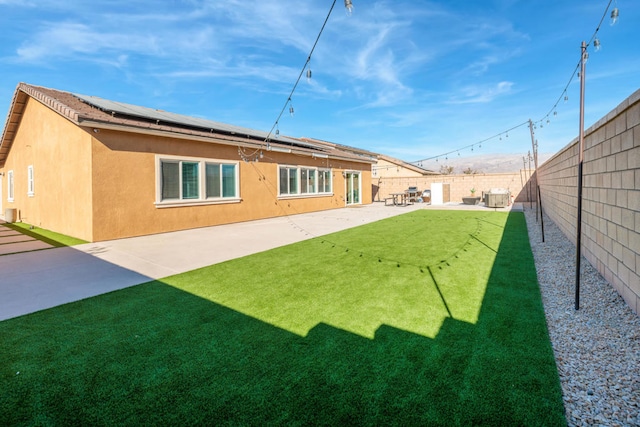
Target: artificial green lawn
(429, 318)
(47, 236)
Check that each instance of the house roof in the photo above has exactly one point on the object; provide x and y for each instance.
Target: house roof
(99, 113)
(406, 165)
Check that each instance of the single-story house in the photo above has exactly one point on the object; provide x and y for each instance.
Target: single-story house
(97, 169)
(390, 167)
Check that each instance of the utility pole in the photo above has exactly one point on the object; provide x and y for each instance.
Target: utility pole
(533, 148)
(583, 61)
(530, 179)
(526, 181)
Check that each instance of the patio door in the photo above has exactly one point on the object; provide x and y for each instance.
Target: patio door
(353, 190)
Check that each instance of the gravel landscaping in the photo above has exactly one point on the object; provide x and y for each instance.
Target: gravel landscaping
(597, 348)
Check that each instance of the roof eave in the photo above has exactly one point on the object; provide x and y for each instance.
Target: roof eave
(216, 139)
(14, 117)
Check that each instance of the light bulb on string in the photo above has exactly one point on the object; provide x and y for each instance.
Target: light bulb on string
(291, 111)
(596, 44)
(349, 7)
(614, 16)
(555, 113)
(309, 74)
(566, 98)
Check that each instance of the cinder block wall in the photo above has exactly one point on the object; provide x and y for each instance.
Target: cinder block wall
(611, 196)
(460, 185)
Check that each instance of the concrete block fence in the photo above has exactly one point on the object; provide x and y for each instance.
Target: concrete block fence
(460, 185)
(611, 196)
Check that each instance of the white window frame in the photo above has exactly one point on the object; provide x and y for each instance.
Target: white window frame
(316, 182)
(30, 181)
(202, 191)
(10, 186)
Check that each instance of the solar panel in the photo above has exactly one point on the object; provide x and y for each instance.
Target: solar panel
(182, 120)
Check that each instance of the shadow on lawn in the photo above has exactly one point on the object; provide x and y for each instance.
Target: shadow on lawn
(164, 356)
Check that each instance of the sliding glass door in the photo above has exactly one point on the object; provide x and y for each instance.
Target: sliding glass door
(353, 190)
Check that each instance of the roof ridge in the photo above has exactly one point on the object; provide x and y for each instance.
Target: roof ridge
(53, 103)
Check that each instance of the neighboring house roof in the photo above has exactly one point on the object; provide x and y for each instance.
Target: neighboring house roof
(99, 113)
(403, 164)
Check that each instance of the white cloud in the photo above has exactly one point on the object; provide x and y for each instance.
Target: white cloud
(476, 94)
(68, 39)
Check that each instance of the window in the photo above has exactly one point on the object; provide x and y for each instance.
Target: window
(288, 180)
(170, 180)
(30, 186)
(10, 186)
(190, 180)
(220, 180)
(324, 181)
(308, 180)
(304, 181)
(195, 181)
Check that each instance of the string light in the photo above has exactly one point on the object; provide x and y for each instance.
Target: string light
(349, 7)
(614, 16)
(471, 146)
(597, 45)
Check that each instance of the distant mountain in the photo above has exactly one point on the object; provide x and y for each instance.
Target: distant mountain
(485, 163)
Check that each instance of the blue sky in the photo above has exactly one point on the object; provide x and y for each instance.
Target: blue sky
(409, 78)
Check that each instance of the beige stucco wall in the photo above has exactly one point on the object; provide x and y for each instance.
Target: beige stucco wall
(460, 185)
(124, 194)
(60, 153)
(611, 196)
(102, 185)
